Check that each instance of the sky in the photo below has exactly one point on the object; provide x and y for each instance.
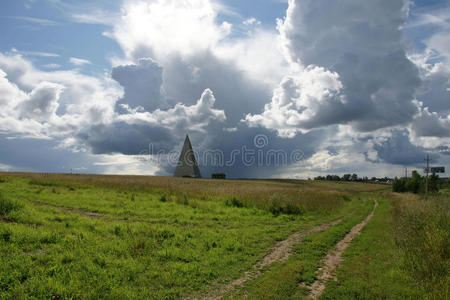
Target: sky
(265, 89)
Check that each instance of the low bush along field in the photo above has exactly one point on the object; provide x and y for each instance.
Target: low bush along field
(83, 236)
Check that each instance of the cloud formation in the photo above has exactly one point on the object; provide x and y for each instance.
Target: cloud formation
(142, 84)
(354, 69)
(333, 80)
(167, 27)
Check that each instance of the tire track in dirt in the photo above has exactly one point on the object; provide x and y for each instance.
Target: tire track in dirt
(279, 252)
(334, 258)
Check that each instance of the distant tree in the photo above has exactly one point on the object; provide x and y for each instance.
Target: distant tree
(399, 185)
(413, 184)
(346, 177)
(365, 178)
(433, 183)
(416, 183)
(354, 177)
(336, 178)
(373, 179)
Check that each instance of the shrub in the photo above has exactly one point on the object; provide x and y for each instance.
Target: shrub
(292, 209)
(283, 206)
(416, 184)
(399, 185)
(117, 230)
(346, 198)
(185, 199)
(275, 208)
(6, 235)
(234, 202)
(434, 183)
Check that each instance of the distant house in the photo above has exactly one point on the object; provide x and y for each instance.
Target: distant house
(218, 176)
(187, 164)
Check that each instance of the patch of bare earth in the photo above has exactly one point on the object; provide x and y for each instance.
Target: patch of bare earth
(278, 253)
(334, 258)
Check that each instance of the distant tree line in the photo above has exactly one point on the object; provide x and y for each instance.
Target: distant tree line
(352, 177)
(417, 184)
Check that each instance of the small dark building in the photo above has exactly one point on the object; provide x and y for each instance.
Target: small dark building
(218, 176)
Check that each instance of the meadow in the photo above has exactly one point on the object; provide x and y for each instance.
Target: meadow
(137, 237)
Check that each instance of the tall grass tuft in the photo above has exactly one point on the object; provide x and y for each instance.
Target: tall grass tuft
(423, 237)
(6, 206)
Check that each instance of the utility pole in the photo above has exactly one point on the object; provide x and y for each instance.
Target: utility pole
(427, 171)
(406, 172)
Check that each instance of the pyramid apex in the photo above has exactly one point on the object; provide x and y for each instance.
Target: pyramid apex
(187, 165)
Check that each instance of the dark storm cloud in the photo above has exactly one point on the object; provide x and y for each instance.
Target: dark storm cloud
(124, 138)
(429, 124)
(44, 156)
(186, 78)
(437, 92)
(141, 83)
(398, 150)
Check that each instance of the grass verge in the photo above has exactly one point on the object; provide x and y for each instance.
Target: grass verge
(423, 237)
(372, 267)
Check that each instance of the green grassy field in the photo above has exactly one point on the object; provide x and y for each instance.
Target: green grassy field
(135, 237)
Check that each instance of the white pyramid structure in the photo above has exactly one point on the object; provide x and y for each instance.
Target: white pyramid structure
(187, 164)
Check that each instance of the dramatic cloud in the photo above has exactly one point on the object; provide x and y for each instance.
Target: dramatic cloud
(79, 110)
(397, 149)
(42, 103)
(142, 84)
(53, 104)
(332, 86)
(309, 100)
(431, 125)
(134, 132)
(359, 48)
(166, 27)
